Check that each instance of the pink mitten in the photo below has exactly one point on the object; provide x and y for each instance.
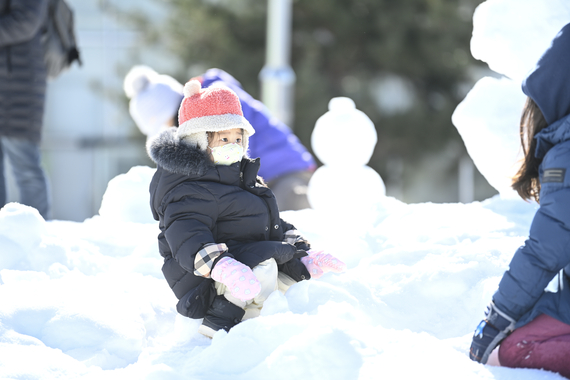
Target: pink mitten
(239, 279)
(319, 263)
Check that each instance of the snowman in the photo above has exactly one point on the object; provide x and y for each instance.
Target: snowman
(344, 139)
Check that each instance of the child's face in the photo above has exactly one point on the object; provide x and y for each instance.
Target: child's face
(227, 137)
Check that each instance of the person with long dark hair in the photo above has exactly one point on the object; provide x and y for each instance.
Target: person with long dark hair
(527, 318)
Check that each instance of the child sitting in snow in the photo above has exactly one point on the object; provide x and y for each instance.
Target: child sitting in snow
(224, 244)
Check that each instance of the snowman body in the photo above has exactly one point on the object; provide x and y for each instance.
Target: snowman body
(344, 139)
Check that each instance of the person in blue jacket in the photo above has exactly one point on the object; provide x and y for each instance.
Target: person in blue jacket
(531, 324)
(286, 165)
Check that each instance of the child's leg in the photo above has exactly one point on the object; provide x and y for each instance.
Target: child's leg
(543, 343)
(266, 273)
(222, 315)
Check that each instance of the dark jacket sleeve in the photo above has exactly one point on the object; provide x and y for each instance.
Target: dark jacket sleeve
(547, 250)
(189, 218)
(254, 253)
(22, 22)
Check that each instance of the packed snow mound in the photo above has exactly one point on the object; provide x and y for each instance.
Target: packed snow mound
(88, 300)
(127, 197)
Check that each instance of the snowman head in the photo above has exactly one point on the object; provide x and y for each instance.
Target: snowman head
(344, 126)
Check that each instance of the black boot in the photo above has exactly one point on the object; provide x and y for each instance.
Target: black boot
(222, 314)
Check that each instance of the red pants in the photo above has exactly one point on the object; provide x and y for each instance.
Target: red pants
(543, 343)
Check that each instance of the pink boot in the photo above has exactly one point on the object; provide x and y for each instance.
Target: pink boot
(319, 263)
(239, 278)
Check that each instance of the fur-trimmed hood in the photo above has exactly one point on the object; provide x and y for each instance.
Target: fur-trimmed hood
(177, 155)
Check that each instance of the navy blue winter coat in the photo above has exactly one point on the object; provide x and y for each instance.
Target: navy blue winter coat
(207, 212)
(521, 290)
(281, 150)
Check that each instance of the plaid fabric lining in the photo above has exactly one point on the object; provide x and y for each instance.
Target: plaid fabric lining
(205, 258)
(291, 237)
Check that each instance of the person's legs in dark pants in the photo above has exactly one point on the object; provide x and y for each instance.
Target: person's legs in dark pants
(543, 343)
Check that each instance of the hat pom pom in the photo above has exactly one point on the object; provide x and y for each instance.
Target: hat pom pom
(137, 80)
(192, 88)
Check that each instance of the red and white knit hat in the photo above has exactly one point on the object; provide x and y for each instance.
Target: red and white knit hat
(211, 109)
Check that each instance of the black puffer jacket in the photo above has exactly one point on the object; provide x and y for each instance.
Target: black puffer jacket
(22, 69)
(208, 211)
